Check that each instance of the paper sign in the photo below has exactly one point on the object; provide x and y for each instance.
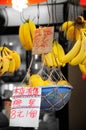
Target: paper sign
(43, 39)
(25, 107)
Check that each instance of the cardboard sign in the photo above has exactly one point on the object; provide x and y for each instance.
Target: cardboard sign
(43, 39)
(25, 107)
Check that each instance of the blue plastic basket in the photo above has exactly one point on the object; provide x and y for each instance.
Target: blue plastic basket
(55, 97)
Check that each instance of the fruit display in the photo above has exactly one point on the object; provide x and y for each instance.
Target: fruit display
(26, 33)
(10, 61)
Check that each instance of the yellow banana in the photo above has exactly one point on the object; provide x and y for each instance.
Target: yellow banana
(58, 52)
(55, 52)
(32, 28)
(16, 57)
(73, 32)
(82, 68)
(72, 53)
(5, 64)
(54, 60)
(11, 68)
(48, 59)
(61, 53)
(84, 61)
(1, 62)
(22, 38)
(27, 36)
(66, 25)
(81, 54)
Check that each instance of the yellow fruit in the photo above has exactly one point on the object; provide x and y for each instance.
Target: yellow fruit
(63, 82)
(48, 82)
(35, 80)
(66, 25)
(72, 33)
(26, 34)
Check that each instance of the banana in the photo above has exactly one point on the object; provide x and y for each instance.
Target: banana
(72, 53)
(11, 68)
(66, 25)
(27, 35)
(61, 53)
(84, 61)
(5, 64)
(32, 28)
(55, 53)
(54, 60)
(16, 57)
(48, 59)
(82, 68)
(21, 37)
(81, 54)
(58, 52)
(1, 61)
(73, 32)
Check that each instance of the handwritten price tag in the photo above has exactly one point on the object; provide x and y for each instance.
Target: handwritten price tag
(43, 39)
(25, 107)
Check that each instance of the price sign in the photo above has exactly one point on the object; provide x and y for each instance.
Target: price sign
(25, 107)
(43, 39)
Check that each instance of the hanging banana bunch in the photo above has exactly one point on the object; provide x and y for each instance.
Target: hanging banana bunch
(72, 29)
(10, 61)
(26, 33)
(52, 59)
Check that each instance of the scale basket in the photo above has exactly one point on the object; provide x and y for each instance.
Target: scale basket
(55, 97)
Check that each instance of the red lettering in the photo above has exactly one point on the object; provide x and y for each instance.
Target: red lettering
(13, 114)
(32, 91)
(18, 91)
(31, 102)
(33, 113)
(17, 102)
(20, 114)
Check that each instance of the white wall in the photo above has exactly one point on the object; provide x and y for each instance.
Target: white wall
(32, 12)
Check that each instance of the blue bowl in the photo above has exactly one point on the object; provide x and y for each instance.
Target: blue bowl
(55, 97)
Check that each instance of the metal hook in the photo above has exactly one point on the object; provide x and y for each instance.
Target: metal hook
(22, 17)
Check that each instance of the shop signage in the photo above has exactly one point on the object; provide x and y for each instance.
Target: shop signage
(25, 107)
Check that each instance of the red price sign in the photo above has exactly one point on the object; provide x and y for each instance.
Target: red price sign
(43, 39)
(25, 107)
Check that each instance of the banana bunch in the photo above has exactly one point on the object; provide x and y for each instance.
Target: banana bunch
(80, 58)
(26, 34)
(72, 29)
(52, 59)
(77, 54)
(9, 61)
